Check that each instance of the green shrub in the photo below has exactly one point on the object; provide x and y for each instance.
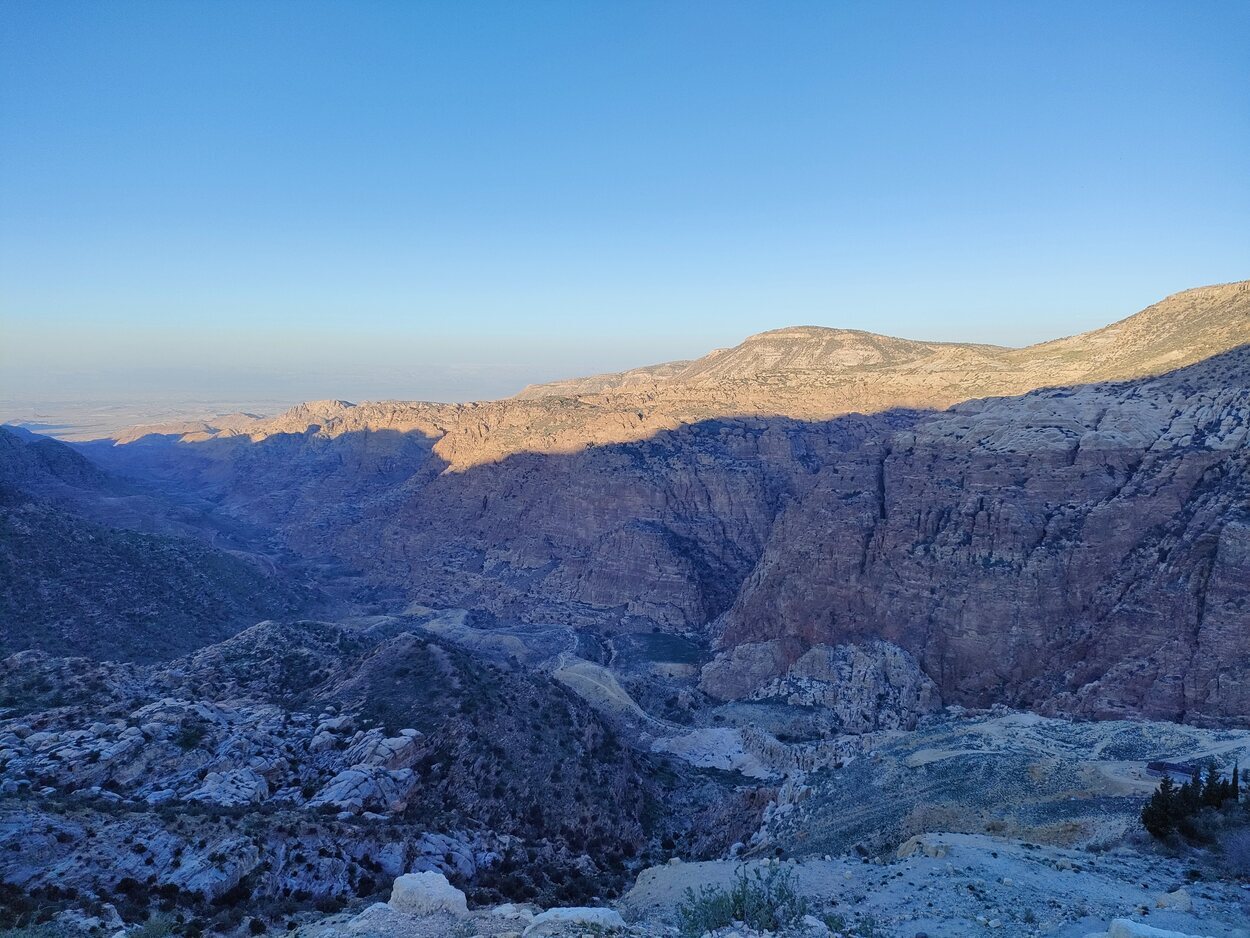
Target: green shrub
(158, 926)
(834, 922)
(764, 901)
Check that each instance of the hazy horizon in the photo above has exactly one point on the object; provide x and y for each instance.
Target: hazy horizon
(89, 407)
(96, 410)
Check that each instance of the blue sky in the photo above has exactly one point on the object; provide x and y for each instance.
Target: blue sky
(446, 200)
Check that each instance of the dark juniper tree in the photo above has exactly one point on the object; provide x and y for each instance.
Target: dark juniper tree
(1212, 788)
(1160, 814)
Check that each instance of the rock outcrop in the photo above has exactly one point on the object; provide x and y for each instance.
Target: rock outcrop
(555, 921)
(871, 687)
(426, 893)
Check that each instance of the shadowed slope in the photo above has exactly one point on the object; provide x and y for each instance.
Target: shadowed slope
(73, 585)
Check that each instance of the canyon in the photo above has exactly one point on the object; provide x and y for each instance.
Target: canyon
(1060, 527)
(818, 596)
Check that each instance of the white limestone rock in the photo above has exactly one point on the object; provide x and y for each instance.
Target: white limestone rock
(512, 910)
(445, 853)
(398, 752)
(323, 742)
(232, 789)
(426, 894)
(364, 786)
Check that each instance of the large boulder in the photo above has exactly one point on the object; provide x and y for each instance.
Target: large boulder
(392, 859)
(921, 844)
(397, 752)
(1177, 900)
(425, 894)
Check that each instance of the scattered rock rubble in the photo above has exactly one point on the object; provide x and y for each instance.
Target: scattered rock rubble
(939, 886)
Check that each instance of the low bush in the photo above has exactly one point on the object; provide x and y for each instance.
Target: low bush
(1235, 847)
(763, 901)
(158, 926)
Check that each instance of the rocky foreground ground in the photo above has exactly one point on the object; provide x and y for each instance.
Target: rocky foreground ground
(969, 823)
(950, 885)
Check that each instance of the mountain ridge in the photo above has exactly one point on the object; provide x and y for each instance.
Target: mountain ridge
(821, 377)
(795, 372)
(1051, 350)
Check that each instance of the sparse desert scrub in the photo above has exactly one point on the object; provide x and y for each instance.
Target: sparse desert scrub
(764, 901)
(158, 926)
(1235, 851)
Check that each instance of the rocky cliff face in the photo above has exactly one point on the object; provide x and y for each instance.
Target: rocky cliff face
(1077, 550)
(865, 687)
(657, 531)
